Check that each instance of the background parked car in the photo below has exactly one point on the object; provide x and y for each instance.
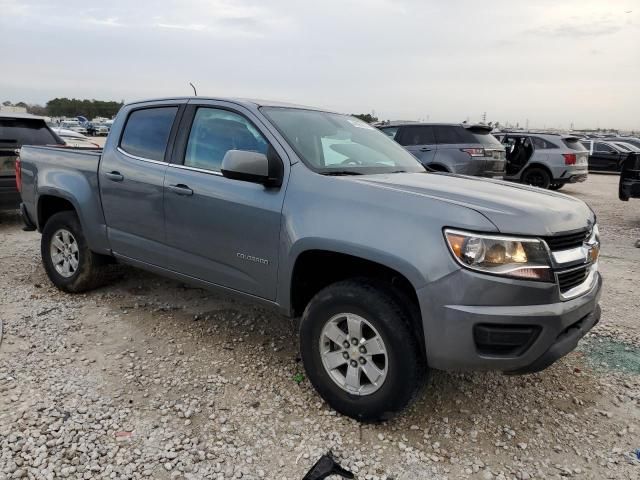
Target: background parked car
(455, 148)
(627, 140)
(605, 156)
(97, 129)
(74, 139)
(625, 146)
(16, 130)
(73, 125)
(545, 160)
(629, 186)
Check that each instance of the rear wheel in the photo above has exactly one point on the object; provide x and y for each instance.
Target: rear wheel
(556, 186)
(66, 257)
(359, 350)
(537, 177)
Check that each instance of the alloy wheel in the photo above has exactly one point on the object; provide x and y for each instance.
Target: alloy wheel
(65, 254)
(354, 354)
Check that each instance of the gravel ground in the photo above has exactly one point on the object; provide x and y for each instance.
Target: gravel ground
(146, 377)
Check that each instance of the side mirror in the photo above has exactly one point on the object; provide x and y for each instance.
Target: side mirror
(253, 167)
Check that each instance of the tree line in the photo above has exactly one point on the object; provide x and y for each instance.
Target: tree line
(72, 107)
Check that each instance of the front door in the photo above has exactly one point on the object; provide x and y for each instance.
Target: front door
(131, 178)
(224, 231)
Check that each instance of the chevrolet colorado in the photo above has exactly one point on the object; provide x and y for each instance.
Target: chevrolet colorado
(392, 269)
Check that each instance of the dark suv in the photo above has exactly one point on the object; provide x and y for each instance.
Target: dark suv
(16, 130)
(450, 147)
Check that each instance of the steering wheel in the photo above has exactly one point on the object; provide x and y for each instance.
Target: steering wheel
(351, 161)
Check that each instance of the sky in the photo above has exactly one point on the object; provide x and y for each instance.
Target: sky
(546, 63)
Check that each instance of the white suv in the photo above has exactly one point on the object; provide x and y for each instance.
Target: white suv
(544, 160)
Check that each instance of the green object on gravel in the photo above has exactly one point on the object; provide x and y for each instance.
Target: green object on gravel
(612, 355)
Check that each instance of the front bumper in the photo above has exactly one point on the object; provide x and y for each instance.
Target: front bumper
(451, 330)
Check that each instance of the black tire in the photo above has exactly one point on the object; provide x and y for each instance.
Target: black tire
(88, 273)
(437, 168)
(406, 366)
(537, 176)
(556, 186)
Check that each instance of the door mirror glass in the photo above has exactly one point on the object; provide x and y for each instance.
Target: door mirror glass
(253, 167)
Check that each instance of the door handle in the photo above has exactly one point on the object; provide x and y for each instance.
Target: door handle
(425, 149)
(181, 189)
(114, 176)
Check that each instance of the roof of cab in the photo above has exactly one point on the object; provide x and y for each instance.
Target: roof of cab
(20, 115)
(247, 102)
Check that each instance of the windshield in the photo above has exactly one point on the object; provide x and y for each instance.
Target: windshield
(333, 143)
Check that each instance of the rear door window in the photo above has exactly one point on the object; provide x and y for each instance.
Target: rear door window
(146, 133)
(603, 148)
(448, 134)
(417, 135)
(542, 144)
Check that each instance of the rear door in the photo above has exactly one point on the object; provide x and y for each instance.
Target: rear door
(220, 230)
(419, 140)
(131, 177)
(604, 157)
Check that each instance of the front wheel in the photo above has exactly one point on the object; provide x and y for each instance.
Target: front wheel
(359, 350)
(537, 177)
(67, 259)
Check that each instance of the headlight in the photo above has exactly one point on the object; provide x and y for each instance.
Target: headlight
(523, 258)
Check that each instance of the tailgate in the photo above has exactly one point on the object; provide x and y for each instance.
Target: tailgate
(8, 162)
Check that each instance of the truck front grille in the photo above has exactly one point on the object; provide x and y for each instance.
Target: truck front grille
(572, 278)
(566, 241)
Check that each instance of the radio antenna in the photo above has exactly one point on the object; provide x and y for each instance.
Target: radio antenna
(195, 93)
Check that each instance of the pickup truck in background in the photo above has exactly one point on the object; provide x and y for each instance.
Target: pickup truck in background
(392, 269)
(16, 130)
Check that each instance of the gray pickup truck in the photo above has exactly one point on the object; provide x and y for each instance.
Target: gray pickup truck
(393, 270)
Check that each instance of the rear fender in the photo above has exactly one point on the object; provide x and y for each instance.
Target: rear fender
(82, 193)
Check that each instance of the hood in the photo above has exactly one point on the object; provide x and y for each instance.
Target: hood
(511, 207)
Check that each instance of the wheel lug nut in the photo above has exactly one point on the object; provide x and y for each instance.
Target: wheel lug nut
(345, 355)
(345, 344)
(363, 360)
(354, 363)
(354, 341)
(362, 350)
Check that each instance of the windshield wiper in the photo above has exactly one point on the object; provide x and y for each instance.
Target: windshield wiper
(336, 173)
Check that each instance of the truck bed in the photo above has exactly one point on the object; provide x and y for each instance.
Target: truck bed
(58, 171)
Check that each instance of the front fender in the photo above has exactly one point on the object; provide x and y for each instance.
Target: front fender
(398, 264)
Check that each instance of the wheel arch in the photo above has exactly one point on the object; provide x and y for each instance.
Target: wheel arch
(50, 203)
(312, 269)
(52, 200)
